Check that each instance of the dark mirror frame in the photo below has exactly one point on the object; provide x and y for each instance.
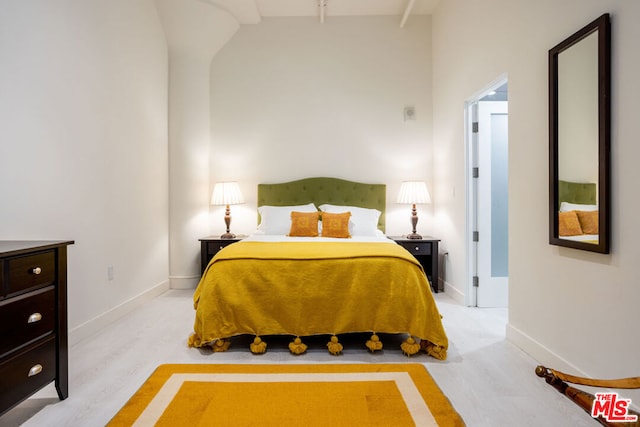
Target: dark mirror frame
(603, 27)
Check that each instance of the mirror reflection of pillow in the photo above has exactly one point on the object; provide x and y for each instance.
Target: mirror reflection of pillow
(568, 224)
(566, 206)
(588, 221)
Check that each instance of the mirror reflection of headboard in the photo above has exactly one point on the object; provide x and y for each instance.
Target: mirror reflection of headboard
(583, 193)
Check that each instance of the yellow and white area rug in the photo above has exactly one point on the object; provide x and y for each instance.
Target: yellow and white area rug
(274, 395)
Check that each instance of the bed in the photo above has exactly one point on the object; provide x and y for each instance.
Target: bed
(578, 211)
(318, 281)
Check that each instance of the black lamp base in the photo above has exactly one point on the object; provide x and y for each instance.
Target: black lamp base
(414, 235)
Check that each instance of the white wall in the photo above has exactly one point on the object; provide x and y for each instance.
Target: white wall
(83, 113)
(195, 31)
(292, 98)
(570, 309)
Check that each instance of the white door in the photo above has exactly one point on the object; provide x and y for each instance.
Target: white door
(492, 205)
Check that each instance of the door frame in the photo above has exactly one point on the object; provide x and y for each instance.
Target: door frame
(471, 295)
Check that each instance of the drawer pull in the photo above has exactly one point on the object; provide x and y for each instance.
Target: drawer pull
(417, 248)
(35, 370)
(35, 317)
(36, 270)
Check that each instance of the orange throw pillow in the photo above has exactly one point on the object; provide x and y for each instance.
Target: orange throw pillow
(568, 224)
(304, 224)
(335, 224)
(588, 221)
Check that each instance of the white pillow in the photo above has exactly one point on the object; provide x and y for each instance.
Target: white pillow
(363, 221)
(277, 219)
(566, 207)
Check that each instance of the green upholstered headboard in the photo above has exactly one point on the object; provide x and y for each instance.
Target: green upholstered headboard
(325, 190)
(583, 193)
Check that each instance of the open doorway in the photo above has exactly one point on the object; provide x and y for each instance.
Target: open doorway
(486, 140)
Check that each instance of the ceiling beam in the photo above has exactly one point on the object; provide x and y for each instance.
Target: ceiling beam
(407, 12)
(322, 4)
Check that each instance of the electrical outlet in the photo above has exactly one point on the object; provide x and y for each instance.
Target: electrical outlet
(110, 272)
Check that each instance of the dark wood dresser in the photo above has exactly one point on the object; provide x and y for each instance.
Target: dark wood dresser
(33, 319)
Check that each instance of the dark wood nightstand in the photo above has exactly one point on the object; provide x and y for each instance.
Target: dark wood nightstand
(209, 246)
(426, 252)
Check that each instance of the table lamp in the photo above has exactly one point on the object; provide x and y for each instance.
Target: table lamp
(226, 194)
(413, 193)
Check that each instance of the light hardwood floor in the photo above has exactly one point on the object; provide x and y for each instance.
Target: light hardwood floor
(489, 381)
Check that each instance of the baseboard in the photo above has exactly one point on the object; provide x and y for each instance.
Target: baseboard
(454, 293)
(539, 352)
(184, 282)
(548, 358)
(96, 324)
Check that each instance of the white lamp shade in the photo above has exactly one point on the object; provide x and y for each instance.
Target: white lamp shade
(226, 193)
(414, 192)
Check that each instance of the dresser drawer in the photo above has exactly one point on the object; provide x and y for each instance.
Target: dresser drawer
(26, 318)
(26, 372)
(30, 272)
(418, 248)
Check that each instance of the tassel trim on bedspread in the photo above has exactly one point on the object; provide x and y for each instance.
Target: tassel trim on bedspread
(297, 346)
(194, 341)
(433, 350)
(374, 344)
(334, 346)
(409, 347)
(258, 346)
(221, 345)
(218, 345)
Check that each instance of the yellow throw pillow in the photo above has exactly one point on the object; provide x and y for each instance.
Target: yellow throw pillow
(588, 221)
(568, 224)
(335, 224)
(304, 224)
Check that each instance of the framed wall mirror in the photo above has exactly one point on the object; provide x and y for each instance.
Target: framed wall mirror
(579, 139)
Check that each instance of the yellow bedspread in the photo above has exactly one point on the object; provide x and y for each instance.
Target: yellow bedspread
(310, 288)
